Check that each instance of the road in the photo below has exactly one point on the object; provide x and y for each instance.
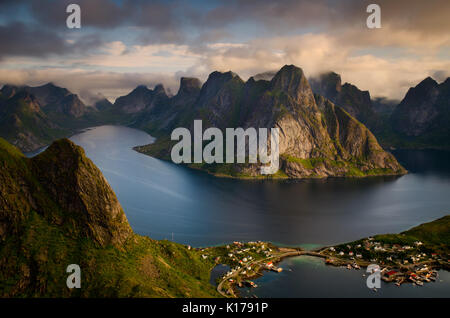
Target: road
(265, 260)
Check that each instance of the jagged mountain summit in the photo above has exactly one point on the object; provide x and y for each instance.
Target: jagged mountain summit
(318, 139)
(353, 100)
(53, 99)
(32, 117)
(57, 209)
(23, 121)
(423, 116)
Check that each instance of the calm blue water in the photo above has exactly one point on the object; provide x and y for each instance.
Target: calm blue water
(161, 198)
(306, 276)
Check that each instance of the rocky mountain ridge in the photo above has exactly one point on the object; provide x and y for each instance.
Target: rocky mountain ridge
(57, 209)
(315, 141)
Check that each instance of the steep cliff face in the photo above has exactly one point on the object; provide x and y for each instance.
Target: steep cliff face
(140, 99)
(57, 209)
(317, 138)
(33, 117)
(23, 122)
(421, 108)
(219, 100)
(353, 100)
(422, 119)
(79, 188)
(57, 101)
(64, 186)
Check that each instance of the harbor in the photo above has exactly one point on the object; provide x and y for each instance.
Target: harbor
(397, 264)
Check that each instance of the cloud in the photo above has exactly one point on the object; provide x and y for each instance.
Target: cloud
(316, 53)
(88, 84)
(158, 41)
(19, 39)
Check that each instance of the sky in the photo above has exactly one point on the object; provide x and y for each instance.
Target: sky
(125, 43)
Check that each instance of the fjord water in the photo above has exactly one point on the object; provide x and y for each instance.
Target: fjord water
(306, 276)
(163, 200)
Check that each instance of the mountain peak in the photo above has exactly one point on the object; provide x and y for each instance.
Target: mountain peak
(222, 76)
(49, 84)
(159, 89)
(290, 79)
(89, 205)
(215, 82)
(427, 83)
(9, 90)
(327, 84)
(140, 88)
(189, 85)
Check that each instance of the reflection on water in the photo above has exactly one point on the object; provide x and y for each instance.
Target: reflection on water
(161, 198)
(306, 276)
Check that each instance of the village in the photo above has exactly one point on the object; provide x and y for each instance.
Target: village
(399, 263)
(246, 261)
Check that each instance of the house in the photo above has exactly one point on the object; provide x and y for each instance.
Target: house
(391, 273)
(350, 253)
(269, 265)
(341, 253)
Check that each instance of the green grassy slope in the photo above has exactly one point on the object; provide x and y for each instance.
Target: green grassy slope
(47, 222)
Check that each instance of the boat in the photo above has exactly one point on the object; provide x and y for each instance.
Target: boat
(349, 266)
(418, 282)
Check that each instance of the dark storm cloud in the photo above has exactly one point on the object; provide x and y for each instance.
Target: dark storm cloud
(178, 21)
(95, 13)
(424, 16)
(19, 39)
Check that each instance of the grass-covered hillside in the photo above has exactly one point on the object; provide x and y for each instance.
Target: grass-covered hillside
(428, 243)
(57, 209)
